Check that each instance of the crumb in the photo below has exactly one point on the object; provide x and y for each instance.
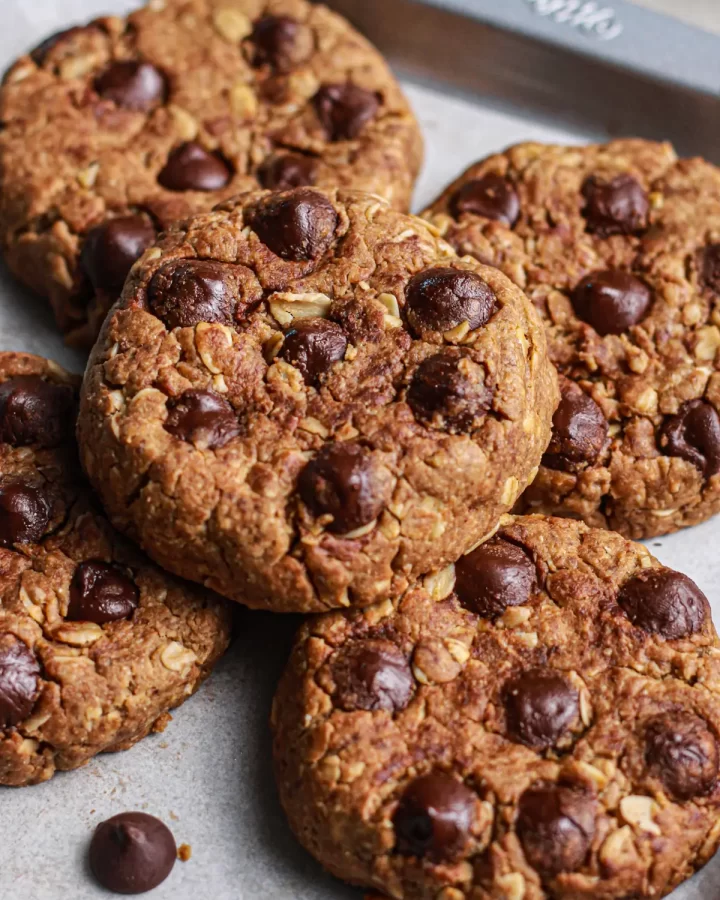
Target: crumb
(184, 852)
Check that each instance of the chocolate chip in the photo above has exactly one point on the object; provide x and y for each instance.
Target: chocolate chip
(35, 412)
(185, 292)
(281, 42)
(313, 346)
(101, 592)
(297, 226)
(343, 482)
(24, 514)
(611, 301)
(40, 53)
(345, 109)
(283, 172)
(694, 435)
(442, 298)
(133, 85)
(665, 603)
(448, 392)
(434, 818)
(618, 206)
(19, 676)
(203, 418)
(372, 675)
(492, 197)
(541, 706)
(493, 577)
(710, 268)
(111, 250)
(556, 825)
(132, 853)
(683, 753)
(191, 168)
(580, 430)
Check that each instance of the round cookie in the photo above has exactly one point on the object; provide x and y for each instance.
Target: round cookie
(539, 721)
(96, 643)
(618, 246)
(113, 131)
(305, 398)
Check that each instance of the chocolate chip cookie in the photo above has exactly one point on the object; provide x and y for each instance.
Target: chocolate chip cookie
(539, 721)
(305, 398)
(96, 644)
(618, 246)
(113, 131)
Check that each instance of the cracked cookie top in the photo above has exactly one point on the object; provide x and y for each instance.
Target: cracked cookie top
(539, 721)
(115, 130)
(306, 398)
(96, 643)
(618, 246)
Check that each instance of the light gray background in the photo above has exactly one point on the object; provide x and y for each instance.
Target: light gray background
(209, 775)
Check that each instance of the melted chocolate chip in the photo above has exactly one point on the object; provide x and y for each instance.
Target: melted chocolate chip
(619, 206)
(191, 168)
(710, 268)
(612, 301)
(493, 577)
(580, 430)
(185, 292)
(492, 197)
(133, 85)
(665, 603)
(281, 43)
(694, 435)
(132, 853)
(297, 226)
(35, 412)
(313, 346)
(101, 592)
(111, 250)
(442, 298)
(283, 172)
(556, 825)
(372, 675)
(541, 706)
(434, 818)
(203, 418)
(40, 53)
(24, 514)
(19, 677)
(683, 753)
(448, 392)
(345, 109)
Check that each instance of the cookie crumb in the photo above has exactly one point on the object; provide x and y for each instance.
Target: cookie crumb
(184, 852)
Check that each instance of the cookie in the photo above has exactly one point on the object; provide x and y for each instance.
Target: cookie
(618, 246)
(305, 398)
(115, 130)
(539, 721)
(96, 643)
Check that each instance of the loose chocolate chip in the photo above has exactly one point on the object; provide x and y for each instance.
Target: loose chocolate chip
(580, 430)
(40, 53)
(448, 392)
(297, 226)
(611, 301)
(35, 412)
(313, 346)
(541, 706)
(283, 172)
(683, 753)
(694, 435)
(491, 196)
(345, 109)
(342, 481)
(442, 298)
(619, 206)
(185, 292)
(434, 818)
(191, 168)
(281, 42)
(665, 603)
(111, 250)
(203, 418)
(556, 825)
(132, 853)
(24, 514)
(133, 85)
(19, 676)
(493, 577)
(710, 268)
(101, 592)
(372, 675)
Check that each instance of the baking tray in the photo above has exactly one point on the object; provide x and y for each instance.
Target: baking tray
(209, 776)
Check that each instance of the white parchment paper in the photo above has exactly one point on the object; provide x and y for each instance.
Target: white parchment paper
(209, 775)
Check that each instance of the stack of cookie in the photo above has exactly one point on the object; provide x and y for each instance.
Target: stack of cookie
(306, 400)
